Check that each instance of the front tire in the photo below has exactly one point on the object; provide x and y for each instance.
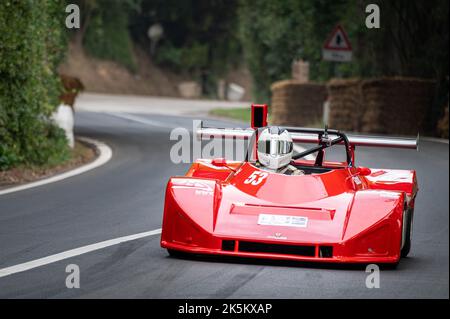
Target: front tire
(408, 233)
(174, 253)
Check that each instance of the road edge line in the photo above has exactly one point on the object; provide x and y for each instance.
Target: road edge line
(105, 154)
(73, 253)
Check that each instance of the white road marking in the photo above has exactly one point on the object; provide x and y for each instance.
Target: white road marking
(73, 252)
(139, 119)
(105, 155)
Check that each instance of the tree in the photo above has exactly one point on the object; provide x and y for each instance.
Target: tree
(274, 33)
(412, 41)
(200, 36)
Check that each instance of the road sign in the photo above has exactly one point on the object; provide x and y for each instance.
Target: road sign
(337, 47)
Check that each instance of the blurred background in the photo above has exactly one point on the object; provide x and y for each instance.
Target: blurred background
(265, 51)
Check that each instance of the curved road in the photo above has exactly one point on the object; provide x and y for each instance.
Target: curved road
(126, 197)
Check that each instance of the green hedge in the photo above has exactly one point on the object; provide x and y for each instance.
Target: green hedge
(31, 47)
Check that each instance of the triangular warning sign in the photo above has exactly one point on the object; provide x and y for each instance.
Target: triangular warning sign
(338, 40)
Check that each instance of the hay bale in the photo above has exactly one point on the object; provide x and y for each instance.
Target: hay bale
(396, 105)
(383, 105)
(297, 103)
(345, 104)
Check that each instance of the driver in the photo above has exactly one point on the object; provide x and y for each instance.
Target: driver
(275, 148)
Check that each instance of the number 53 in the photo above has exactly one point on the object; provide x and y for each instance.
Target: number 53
(256, 178)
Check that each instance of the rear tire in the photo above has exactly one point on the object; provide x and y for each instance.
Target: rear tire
(408, 234)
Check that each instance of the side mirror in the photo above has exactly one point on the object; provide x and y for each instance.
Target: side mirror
(364, 171)
(219, 162)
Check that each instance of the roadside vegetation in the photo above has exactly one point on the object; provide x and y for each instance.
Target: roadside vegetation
(24, 173)
(240, 114)
(31, 47)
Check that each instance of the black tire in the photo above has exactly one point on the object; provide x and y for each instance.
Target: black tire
(390, 266)
(407, 245)
(174, 253)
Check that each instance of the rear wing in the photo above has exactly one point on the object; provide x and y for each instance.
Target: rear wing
(305, 135)
(205, 133)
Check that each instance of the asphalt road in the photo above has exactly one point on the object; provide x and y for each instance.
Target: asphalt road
(126, 197)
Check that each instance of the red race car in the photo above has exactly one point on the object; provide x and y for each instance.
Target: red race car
(334, 212)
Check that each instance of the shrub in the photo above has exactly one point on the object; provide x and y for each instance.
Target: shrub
(31, 47)
(190, 58)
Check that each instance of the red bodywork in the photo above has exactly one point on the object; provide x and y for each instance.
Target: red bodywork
(215, 209)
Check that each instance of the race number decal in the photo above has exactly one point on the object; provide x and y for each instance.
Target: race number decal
(256, 178)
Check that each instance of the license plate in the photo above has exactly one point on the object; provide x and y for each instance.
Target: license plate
(282, 220)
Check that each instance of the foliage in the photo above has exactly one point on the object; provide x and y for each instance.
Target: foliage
(31, 46)
(200, 36)
(412, 40)
(107, 36)
(274, 33)
(189, 59)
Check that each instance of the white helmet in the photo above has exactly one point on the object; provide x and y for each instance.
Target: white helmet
(275, 147)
